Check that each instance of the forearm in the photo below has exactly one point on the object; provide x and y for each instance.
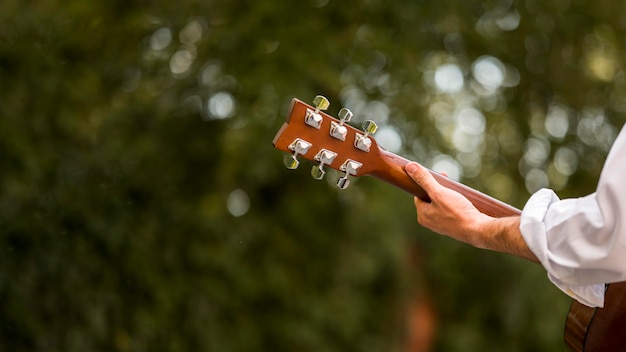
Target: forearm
(451, 214)
(502, 235)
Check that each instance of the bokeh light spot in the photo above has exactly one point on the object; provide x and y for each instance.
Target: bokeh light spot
(181, 61)
(557, 121)
(238, 203)
(449, 78)
(161, 39)
(536, 151)
(489, 72)
(536, 179)
(566, 161)
(221, 105)
(448, 165)
(509, 21)
(192, 33)
(389, 139)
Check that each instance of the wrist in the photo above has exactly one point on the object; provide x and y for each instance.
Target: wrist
(483, 231)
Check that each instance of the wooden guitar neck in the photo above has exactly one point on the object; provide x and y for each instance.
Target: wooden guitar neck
(394, 174)
(310, 133)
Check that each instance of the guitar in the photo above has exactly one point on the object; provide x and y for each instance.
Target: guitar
(310, 133)
(598, 329)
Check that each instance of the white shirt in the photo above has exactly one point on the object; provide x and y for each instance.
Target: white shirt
(582, 242)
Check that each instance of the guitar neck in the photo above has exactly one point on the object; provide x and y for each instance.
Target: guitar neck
(317, 136)
(393, 173)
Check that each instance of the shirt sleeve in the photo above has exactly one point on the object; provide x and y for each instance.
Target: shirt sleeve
(581, 242)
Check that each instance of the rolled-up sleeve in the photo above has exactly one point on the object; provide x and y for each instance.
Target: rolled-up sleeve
(581, 242)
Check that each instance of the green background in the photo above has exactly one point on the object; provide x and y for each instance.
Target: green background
(143, 207)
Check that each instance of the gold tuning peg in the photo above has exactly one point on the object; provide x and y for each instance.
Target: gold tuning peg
(345, 115)
(362, 141)
(321, 103)
(298, 146)
(338, 130)
(350, 167)
(369, 127)
(325, 157)
(313, 117)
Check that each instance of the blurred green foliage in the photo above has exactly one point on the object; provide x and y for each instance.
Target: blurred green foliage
(143, 208)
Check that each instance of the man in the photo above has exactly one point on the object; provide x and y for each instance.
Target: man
(580, 242)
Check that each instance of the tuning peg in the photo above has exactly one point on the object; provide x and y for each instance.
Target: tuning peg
(350, 167)
(338, 130)
(298, 146)
(313, 117)
(325, 157)
(362, 141)
(321, 103)
(290, 161)
(369, 127)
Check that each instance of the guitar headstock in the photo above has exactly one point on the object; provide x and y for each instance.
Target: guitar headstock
(310, 133)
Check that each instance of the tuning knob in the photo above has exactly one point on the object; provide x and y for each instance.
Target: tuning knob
(338, 130)
(350, 167)
(298, 146)
(362, 141)
(313, 117)
(325, 157)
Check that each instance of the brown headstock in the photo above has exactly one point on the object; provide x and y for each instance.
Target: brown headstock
(310, 133)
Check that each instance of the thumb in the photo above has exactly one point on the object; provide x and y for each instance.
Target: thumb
(421, 176)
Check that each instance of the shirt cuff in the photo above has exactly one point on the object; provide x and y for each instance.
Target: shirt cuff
(534, 232)
(532, 224)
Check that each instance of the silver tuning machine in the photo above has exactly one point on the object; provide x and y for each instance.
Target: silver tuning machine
(337, 129)
(299, 147)
(313, 117)
(350, 167)
(362, 141)
(325, 157)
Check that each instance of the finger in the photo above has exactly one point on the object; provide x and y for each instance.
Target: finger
(421, 208)
(417, 203)
(421, 176)
(421, 205)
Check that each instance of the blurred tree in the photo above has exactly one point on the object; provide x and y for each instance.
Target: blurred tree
(143, 207)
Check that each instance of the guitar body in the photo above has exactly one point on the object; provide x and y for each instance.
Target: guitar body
(598, 329)
(313, 135)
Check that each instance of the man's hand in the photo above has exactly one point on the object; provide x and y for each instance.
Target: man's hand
(450, 213)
